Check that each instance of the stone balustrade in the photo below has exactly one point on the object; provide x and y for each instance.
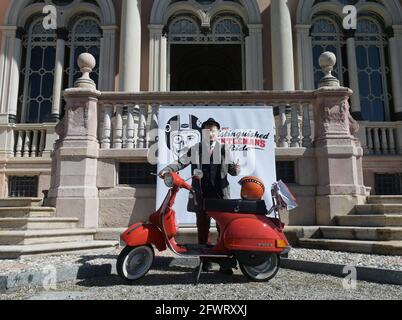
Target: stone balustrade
(28, 140)
(381, 138)
(125, 119)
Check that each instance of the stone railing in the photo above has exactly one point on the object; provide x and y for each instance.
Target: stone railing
(125, 119)
(381, 138)
(28, 140)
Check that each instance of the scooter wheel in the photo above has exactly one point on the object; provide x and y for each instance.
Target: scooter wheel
(264, 272)
(134, 263)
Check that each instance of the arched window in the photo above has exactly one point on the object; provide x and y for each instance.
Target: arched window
(184, 29)
(326, 36)
(39, 52)
(372, 68)
(227, 30)
(85, 36)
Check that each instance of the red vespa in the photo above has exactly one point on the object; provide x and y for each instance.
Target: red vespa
(247, 236)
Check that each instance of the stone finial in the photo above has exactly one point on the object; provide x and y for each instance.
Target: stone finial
(86, 63)
(327, 62)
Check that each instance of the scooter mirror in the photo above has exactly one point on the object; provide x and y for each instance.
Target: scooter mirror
(198, 174)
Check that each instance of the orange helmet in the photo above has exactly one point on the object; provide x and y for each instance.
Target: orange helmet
(252, 188)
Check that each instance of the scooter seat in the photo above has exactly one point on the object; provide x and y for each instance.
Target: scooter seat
(236, 206)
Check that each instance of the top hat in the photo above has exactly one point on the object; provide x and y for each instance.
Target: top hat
(211, 121)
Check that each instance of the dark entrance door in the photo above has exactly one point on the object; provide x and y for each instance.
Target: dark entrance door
(206, 67)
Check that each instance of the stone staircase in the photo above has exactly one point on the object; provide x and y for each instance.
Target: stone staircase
(375, 228)
(27, 228)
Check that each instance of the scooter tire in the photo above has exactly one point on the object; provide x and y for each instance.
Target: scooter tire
(122, 261)
(252, 272)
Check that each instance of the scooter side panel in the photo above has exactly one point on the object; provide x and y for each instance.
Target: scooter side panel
(252, 234)
(141, 234)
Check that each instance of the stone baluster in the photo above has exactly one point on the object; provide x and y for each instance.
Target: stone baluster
(384, 141)
(20, 142)
(306, 126)
(142, 128)
(107, 127)
(118, 128)
(377, 144)
(34, 149)
(370, 143)
(130, 127)
(27, 144)
(295, 129)
(392, 145)
(283, 128)
(154, 125)
(42, 142)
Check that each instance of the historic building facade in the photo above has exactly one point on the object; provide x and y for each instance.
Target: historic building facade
(171, 45)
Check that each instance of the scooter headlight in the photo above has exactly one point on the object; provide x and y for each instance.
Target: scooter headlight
(168, 179)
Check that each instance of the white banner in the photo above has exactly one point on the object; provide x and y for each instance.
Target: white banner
(248, 131)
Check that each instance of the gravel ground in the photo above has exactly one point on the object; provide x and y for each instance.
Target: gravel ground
(23, 264)
(109, 256)
(346, 258)
(177, 284)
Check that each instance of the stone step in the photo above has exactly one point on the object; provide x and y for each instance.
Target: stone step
(377, 209)
(385, 200)
(384, 220)
(14, 252)
(361, 233)
(25, 212)
(38, 223)
(370, 247)
(21, 202)
(45, 236)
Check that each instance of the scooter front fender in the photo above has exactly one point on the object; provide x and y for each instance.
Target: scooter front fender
(141, 234)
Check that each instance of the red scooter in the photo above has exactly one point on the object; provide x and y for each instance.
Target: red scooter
(247, 236)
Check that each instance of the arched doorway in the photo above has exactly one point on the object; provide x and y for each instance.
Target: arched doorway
(212, 60)
(205, 45)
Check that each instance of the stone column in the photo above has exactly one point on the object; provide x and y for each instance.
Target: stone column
(305, 57)
(254, 60)
(158, 59)
(130, 46)
(395, 47)
(353, 75)
(62, 36)
(10, 60)
(107, 72)
(337, 150)
(282, 46)
(15, 76)
(74, 190)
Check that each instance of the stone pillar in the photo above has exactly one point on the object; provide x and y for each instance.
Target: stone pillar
(282, 46)
(254, 60)
(62, 36)
(337, 150)
(395, 47)
(73, 188)
(107, 72)
(10, 61)
(130, 46)
(353, 76)
(305, 57)
(158, 59)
